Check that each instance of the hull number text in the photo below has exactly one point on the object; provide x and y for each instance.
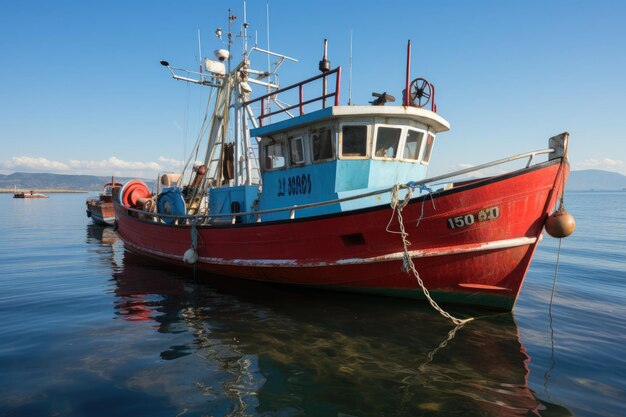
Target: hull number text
(469, 219)
(296, 185)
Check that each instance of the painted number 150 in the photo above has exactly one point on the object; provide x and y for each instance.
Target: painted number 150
(469, 219)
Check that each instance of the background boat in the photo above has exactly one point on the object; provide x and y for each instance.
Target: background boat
(31, 194)
(100, 209)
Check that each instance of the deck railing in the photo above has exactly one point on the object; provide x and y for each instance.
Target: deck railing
(231, 218)
(301, 102)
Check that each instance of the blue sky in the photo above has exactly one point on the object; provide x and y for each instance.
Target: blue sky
(83, 92)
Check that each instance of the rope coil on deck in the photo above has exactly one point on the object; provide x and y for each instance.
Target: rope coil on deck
(407, 263)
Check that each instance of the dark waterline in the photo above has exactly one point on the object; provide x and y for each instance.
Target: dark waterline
(91, 330)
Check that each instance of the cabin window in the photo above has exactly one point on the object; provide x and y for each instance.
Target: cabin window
(322, 144)
(412, 145)
(387, 140)
(429, 148)
(274, 156)
(296, 148)
(354, 141)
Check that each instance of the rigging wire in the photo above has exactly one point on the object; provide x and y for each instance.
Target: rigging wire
(193, 155)
(186, 125)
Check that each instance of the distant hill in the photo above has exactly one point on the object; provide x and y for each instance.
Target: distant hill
(37, 181)
(595, 179)
(584, 180)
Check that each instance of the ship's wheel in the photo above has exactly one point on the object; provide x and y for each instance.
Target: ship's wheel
(421, 92)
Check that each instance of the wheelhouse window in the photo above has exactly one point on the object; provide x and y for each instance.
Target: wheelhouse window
(322, 144)
(430, 141)
(412, 145)
(354, 141)
(387, 140)
(274, 155)
(296, 148)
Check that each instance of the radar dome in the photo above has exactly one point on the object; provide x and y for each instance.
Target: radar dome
(221, 54)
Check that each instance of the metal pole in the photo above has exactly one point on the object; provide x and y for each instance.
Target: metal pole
(338, 86)
(246, 144)
(237, 139)
(350, 76)
(325, 59)
(407, 93)
(200, 56)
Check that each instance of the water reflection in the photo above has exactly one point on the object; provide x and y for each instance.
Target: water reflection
(104, 244)
(255, 349)
(101, 234)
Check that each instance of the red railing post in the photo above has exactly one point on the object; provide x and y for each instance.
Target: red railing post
(262, 116)
(337, 86)
(407, 93)
(301, 101)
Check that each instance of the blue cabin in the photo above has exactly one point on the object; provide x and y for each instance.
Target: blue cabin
(343, 151)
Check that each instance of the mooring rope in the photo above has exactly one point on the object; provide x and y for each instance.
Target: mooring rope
(546, 375)
(431, 355)
(407, 262)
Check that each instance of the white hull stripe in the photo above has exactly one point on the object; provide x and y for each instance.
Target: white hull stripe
(271, 263)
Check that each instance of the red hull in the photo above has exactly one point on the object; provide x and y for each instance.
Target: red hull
(473, 244)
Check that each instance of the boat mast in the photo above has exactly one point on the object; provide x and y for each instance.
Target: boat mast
(244, 125)
(233, 90)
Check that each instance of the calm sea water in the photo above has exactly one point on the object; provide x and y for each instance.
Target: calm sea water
(90, 330)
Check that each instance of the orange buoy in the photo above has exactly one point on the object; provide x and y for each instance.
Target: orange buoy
(132, 191)
(560, 224)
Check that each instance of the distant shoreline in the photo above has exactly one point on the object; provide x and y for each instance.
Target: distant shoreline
(39, 190)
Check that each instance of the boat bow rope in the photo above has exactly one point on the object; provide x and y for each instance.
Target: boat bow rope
(397, 206)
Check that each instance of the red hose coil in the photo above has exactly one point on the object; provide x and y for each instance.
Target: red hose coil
(132, 191)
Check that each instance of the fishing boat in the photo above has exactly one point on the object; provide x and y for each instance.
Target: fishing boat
(327, 195)
(100, 209)
(31, 194)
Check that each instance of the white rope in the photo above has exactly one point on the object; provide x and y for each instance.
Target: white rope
(407, 262)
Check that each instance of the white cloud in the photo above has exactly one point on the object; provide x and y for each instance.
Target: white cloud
(173, 164)
(111, 166)
(34, 164)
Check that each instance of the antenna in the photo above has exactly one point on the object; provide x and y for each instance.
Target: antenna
(200, 55)
(245, 29)
(231, 17)
(324, 67)
(407, 92)
(350, 76)
(269, 68)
